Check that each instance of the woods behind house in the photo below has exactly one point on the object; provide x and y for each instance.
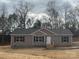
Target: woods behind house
(64, 16)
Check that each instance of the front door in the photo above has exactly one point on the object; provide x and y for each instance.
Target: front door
(39, 41)
(48, 42)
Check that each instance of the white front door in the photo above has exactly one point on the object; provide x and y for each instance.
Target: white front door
(48, 42)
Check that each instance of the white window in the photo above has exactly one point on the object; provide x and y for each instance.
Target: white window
(38, 38)
(19, 39)
(65, 39)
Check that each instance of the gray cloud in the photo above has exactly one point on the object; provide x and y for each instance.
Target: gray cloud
(40, 5)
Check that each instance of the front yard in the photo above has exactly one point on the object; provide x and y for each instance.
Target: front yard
(38, 53)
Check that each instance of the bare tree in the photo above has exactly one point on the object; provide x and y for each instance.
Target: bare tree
(29, 23)
(3, 18)
(77, 14)
(52, 11)
(66, 7)
(12, 20)
(22, 10)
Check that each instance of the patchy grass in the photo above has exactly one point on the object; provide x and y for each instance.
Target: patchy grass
(38, 53)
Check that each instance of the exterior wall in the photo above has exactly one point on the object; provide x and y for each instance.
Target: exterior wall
(27, 43)
(40, 44)
(16, 44)
(58, 42)
(29, 40)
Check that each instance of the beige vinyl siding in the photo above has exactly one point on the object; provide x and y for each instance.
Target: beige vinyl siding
(29, 41)
(58, 41)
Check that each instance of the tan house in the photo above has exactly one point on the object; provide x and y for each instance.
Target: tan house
(42, 37)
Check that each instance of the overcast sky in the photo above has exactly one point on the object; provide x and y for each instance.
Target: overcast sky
(40, 5)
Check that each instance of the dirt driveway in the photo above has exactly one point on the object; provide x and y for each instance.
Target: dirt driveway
(38, 53)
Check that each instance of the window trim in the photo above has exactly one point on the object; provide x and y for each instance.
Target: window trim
(19, 38)
(38, 39)
(65, 39)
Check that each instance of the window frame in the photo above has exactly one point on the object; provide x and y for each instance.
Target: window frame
(38, 39)
(65, 39)
(19, 38)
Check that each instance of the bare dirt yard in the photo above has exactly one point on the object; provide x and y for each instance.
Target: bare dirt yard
(38, 53)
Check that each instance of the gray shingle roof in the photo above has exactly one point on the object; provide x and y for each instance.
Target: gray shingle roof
(31, 30)
(23, 31)
(62, 31)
